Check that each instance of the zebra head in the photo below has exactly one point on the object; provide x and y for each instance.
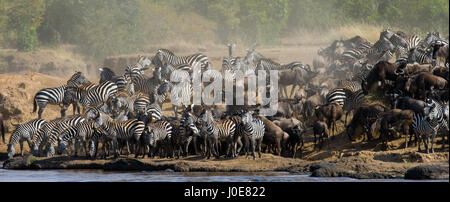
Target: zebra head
(62, 147)
(144, 61)
(205, 117)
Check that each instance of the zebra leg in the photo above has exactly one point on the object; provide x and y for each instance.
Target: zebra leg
(253, 142)
(238, 149)
(194, 139)
(21, 146)
(41, 109)
(432, 141)
(216, 148)
(259, 147)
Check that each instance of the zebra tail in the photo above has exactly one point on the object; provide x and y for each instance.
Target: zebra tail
(34, 105)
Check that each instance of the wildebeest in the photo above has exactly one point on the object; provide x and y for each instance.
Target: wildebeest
(330, 113)
(273, 135)
(364, 118)
(320, 129)
(424, 82)
(381, 72)
(394, 121)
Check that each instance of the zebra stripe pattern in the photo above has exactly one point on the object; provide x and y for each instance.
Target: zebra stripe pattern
(427, 125)
(23, 132)
(49, 96)
(81, 132)
(337, 95)
(216, 130)
(195, 60)
(123, 130)
(254, 129)
(60, 128)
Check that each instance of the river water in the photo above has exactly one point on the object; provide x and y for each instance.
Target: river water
(162, 176)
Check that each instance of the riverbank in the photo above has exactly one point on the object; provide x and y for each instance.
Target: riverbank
(360, 165)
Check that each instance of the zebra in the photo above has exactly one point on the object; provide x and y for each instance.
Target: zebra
(352, 101)
(361, 71)
(117, 130)
(23, 132)
(216, 131)
(41, 136)
(55, 96)
(350, 56)
(412, 42)
(144, 61)
(421, 57)
(197, 60)
(77, 79)
(60, 128)
(227, 61)
(337, 95)
(254, 129)
(253, 56)
(81, 132)
(94, 94)
(158, 133)
(426, 125)
(145, 84)
(124, 83)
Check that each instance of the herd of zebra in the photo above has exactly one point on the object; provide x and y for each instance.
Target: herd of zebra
(124, 112)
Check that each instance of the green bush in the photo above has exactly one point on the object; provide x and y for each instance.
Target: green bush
(28, 40)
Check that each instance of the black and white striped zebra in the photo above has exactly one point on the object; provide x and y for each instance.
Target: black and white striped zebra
(77, 79)
(197, 60)
(428, 125)
(23, 132)
(41, 137)
(352, 101)
(216, 131)
(145, 84)
(254, 129)
(337, 95)
(159, 134)
(81, 132)
(361, 71)
(63, 126)
(124, 83)
(413, 41)
(421, 57)
(253, 57)
(95, 94)
(350, 56)
(129, 130)
(55, 96)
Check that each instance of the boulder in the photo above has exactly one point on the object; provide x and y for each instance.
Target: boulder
(427, 172)
(327, 170)
(18, 162)
(124, 164)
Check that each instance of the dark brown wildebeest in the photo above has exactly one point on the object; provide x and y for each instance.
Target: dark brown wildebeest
(330, 112)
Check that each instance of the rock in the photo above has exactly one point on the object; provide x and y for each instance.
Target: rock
(18, 162)
(327, 170)
(427, 172)
(125, 164)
